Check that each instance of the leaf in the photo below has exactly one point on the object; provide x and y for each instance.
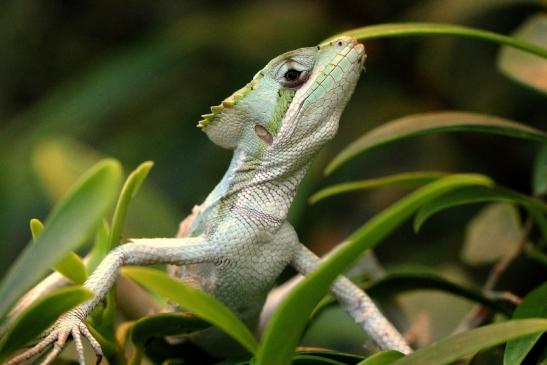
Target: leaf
(71, 222)
(434, 122)
(59, 161)
(523, 67)
(129, 190)
(39, 316)
(539, 177)
(100, 247)
(36, 227)
(411, 179)
(476, 194)
(72, 267)
(433, 29)
(165, 324)
(194, 300)
(300, 359)
(457, 346)
(333, 355)
(493, 232)
(382, 358)
(397, 283)
(278, 344)
(110, 349)
(161, 325)
(532, 306)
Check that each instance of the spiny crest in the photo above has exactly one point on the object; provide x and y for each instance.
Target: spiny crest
(227, 103)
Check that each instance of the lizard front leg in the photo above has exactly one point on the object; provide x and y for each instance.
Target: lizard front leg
(357, 304)
(179, 251)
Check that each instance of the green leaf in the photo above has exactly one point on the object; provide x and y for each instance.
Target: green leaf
(533, 306)
(165, 324)
(476, 194)
(70, 224)
(410, 179)
(382, 358)
(493, 232)
(100, 247)
(36, 227)
(71, 266)
(435, 122)
(110, 349)
(432, 29)
(129, 190)
(522, 67)
(39, 316)
(332, 355)
(300, 359)
(194, 300)
(539, 177)
(161, 325)
(278, 344)
(396, 283)
(457, 346)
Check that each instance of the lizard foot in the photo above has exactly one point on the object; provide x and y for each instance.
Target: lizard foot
(68, 325)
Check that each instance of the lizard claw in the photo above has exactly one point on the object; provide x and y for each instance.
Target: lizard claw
(67, 325)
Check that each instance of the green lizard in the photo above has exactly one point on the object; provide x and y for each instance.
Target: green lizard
(238, 241)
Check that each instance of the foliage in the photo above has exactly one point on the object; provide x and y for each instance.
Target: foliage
(139, 85)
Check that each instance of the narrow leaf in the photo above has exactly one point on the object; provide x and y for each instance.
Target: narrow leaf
(165, 324)
(434, 29)
(300, 359)
(397, 283)
(493, 232)
(457, 346)
(333, 355)
(435, 122)
(408, 179)
(36, 227)
(523, 67)
(129, 190)
(382, 358)
(161, 325)
(539, 177)
(476, 194)
(278, 344)
(533, 306)
(100, 247)
(194, 300)
(72, 267)
(39, 316)
(72, 221)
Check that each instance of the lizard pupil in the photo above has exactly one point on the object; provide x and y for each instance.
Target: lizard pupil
(292, 75)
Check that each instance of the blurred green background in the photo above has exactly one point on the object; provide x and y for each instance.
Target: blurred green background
(83, 80)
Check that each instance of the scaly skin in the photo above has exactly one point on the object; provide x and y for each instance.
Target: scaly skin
(238, 241)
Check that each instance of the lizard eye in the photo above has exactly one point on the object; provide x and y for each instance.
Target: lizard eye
(294, 78)
(292, 75)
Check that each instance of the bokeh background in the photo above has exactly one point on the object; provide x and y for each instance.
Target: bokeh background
(81, 80)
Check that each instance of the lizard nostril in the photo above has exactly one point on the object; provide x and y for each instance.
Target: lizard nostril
(339, 43)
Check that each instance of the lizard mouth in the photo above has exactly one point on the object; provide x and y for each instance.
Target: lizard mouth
(360, 49)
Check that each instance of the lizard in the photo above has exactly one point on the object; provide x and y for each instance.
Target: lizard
(236, 243)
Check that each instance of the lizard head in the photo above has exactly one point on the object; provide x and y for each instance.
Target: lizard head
(296, 99)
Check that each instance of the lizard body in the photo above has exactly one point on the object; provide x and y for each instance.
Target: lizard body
(238, 241)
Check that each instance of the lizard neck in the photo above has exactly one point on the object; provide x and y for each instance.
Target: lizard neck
(255, 187)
